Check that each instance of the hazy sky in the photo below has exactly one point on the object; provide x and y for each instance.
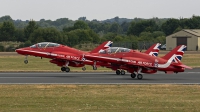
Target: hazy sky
(98, 9)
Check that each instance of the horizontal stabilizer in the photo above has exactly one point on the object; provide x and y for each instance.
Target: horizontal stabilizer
(182, 65)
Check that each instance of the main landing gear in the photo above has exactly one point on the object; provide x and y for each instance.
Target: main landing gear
(65, 68)
(122, 72)
(139, 76)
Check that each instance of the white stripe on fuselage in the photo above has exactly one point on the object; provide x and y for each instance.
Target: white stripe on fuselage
(125, 60)
(47, 53)
(168, 62)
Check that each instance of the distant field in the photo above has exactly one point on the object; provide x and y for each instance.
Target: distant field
(11, 61)
(103, 98)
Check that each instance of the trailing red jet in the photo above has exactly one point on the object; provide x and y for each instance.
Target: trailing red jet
(152, 51)
(61, 55)
(136, 62)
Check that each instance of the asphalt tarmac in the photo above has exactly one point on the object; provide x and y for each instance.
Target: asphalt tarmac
(187, 77)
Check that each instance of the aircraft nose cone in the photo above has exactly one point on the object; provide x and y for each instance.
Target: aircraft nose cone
(17, 50)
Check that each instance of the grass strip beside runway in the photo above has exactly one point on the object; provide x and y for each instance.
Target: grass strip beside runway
(109, 98)
(15, 63)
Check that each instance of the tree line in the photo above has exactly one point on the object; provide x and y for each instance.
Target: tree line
(71, 33)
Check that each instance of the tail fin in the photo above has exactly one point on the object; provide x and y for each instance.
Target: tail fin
(176, 54)
(104, 45)
(153, 50)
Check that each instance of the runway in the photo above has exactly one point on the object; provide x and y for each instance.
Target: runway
(187, 77)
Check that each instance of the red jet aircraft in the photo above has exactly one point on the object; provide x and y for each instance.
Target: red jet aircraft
(152, 51)
(61, 55)
(136, 62)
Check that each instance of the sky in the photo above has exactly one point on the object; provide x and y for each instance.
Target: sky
(98, 9)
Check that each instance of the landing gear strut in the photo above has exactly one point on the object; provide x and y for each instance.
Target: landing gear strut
(94, 66)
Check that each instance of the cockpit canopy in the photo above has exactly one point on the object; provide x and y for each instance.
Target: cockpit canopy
(114, 50)
(44, 45)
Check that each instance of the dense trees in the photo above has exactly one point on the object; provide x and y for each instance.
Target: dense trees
(143, 26)
(7, 31)
(72, 33)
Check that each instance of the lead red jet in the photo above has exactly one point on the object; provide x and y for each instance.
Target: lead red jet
(136, 62)
(61, 55)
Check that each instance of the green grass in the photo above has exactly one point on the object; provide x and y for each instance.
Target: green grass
(109, 98)
(16, 63)
(192, 60)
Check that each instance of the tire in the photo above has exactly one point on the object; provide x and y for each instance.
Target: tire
(26, 61)
(63, 69)
(133, 75)
(67, 69)
(139, 76)
(118, 72)
(123, 72)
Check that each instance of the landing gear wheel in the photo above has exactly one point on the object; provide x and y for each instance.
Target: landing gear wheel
(118, 72)
(83, 68)
(133, 75)
(63, 69)
(94, 68)
(67, 69)
(123, 72)
(26, 61)
(139, 76)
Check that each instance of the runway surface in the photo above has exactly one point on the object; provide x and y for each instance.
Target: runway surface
(187, 77)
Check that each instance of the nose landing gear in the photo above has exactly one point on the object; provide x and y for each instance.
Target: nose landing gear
(83, 68)
(26, 60)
